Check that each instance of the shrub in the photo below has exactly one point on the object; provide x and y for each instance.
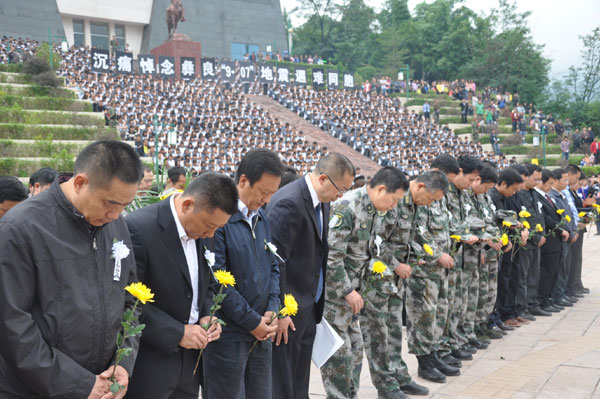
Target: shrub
(35, 66)
(47, 79)
(30, 132)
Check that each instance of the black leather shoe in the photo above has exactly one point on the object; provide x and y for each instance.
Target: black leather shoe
(428, 371)
(395, 394)
(527, 316)
(571, 299)
(576, 295)
(415, 389)
(443, 367)
(469, 348)
(557, 306)
(585, 290)
(539, 312)
(564, 303)
(505, 327)
(462, 355)
(494, 333)
(452, 361)
(550, 309)
(477, 344)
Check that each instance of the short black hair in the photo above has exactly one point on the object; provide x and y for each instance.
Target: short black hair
(469, 164)
(213, 190)
(522, 170)
(11, 189)
(573, 169)
(446, 163)
(392, 178)
(104, 160)
(547, 175)
(175, 172)
(492, 164)
(434, 180)
(147, 168)
(44, 176)
(582, 176)
(558, 173)
(256, 162)
(335, 165)
(510, 177)
(532, 168)
(488, 175)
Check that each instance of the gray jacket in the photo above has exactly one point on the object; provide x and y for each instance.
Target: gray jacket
(60, 310)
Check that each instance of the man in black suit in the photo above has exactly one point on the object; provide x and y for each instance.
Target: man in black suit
(551, 251)
(298, 215)
(173, 260)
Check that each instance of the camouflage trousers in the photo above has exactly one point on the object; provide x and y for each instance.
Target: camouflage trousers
(488, 290)
(381, 324)
(421, 301)
(449, 307)
(341, 373)
(470, 294)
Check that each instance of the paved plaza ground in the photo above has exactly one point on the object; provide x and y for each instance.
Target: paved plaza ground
(553, 357)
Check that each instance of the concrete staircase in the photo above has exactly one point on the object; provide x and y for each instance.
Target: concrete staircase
(313, 133)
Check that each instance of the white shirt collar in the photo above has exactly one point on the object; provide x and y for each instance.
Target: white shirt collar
(540, 191)
(311, 190)
(180, 230)
(244, 209)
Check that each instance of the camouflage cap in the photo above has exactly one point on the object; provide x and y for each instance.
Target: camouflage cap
(506, 215)
(477, 228)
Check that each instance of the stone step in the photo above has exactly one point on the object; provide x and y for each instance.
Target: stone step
(313, 133)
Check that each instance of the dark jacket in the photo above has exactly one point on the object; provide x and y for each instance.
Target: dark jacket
(243, 252)
(162, 266)
(294, 228)
(561, 203)
(551, 219)
(526, 200)
(60, 309)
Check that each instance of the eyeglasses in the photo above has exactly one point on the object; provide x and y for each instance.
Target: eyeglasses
(339, 190)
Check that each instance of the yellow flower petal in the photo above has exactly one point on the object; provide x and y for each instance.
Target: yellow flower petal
(506, 224)
(379, 267)
(456, 237)
(526, 224)
(524, 214)
(539, 228)
(560, 211)
(428, 249)
(291, 306)
(568, 218)
(141, 292)
(504, 239)
(582, 214)
(225, 278)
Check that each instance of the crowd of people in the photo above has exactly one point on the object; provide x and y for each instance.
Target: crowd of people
(466, 251)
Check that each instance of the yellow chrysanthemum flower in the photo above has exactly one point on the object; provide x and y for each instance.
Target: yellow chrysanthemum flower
(506, 224)
(428, 249)
(526, 224)
(379, 267)
(568, 218)
(225, 278)
(456, 237)
(291, 306)
(524, 214)
(596, 206)
(582, 214)
(539, 228)
(141, 292)
(560, 211)
(504, 239)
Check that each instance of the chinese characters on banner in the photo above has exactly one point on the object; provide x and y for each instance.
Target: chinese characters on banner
(227, 71)
(100, 60)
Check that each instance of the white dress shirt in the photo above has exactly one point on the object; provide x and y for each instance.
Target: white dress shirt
(314, 197)
(191, 257)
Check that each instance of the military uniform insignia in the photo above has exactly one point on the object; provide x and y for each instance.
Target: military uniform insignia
(370, 209)
(336, 221)
(363, 225)
(382, 213)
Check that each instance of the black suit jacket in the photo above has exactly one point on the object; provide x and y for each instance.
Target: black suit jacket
(551, 219)
(162, 266)
(294, 230)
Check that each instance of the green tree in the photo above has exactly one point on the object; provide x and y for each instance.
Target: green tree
(353, 36)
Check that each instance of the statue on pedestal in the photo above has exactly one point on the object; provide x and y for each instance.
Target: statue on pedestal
(174, 15)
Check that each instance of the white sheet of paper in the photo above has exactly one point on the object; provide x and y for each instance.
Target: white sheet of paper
(327, 342)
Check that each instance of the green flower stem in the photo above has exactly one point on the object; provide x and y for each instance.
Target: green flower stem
(115, 387)
(213, 309)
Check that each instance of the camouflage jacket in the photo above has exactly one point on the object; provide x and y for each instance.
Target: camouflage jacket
(489, 216)
(352, 230)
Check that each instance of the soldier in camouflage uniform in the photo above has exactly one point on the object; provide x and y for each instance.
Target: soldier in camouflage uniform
(356, 220)
(452, 342)
(488, 271)
(428, 273)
